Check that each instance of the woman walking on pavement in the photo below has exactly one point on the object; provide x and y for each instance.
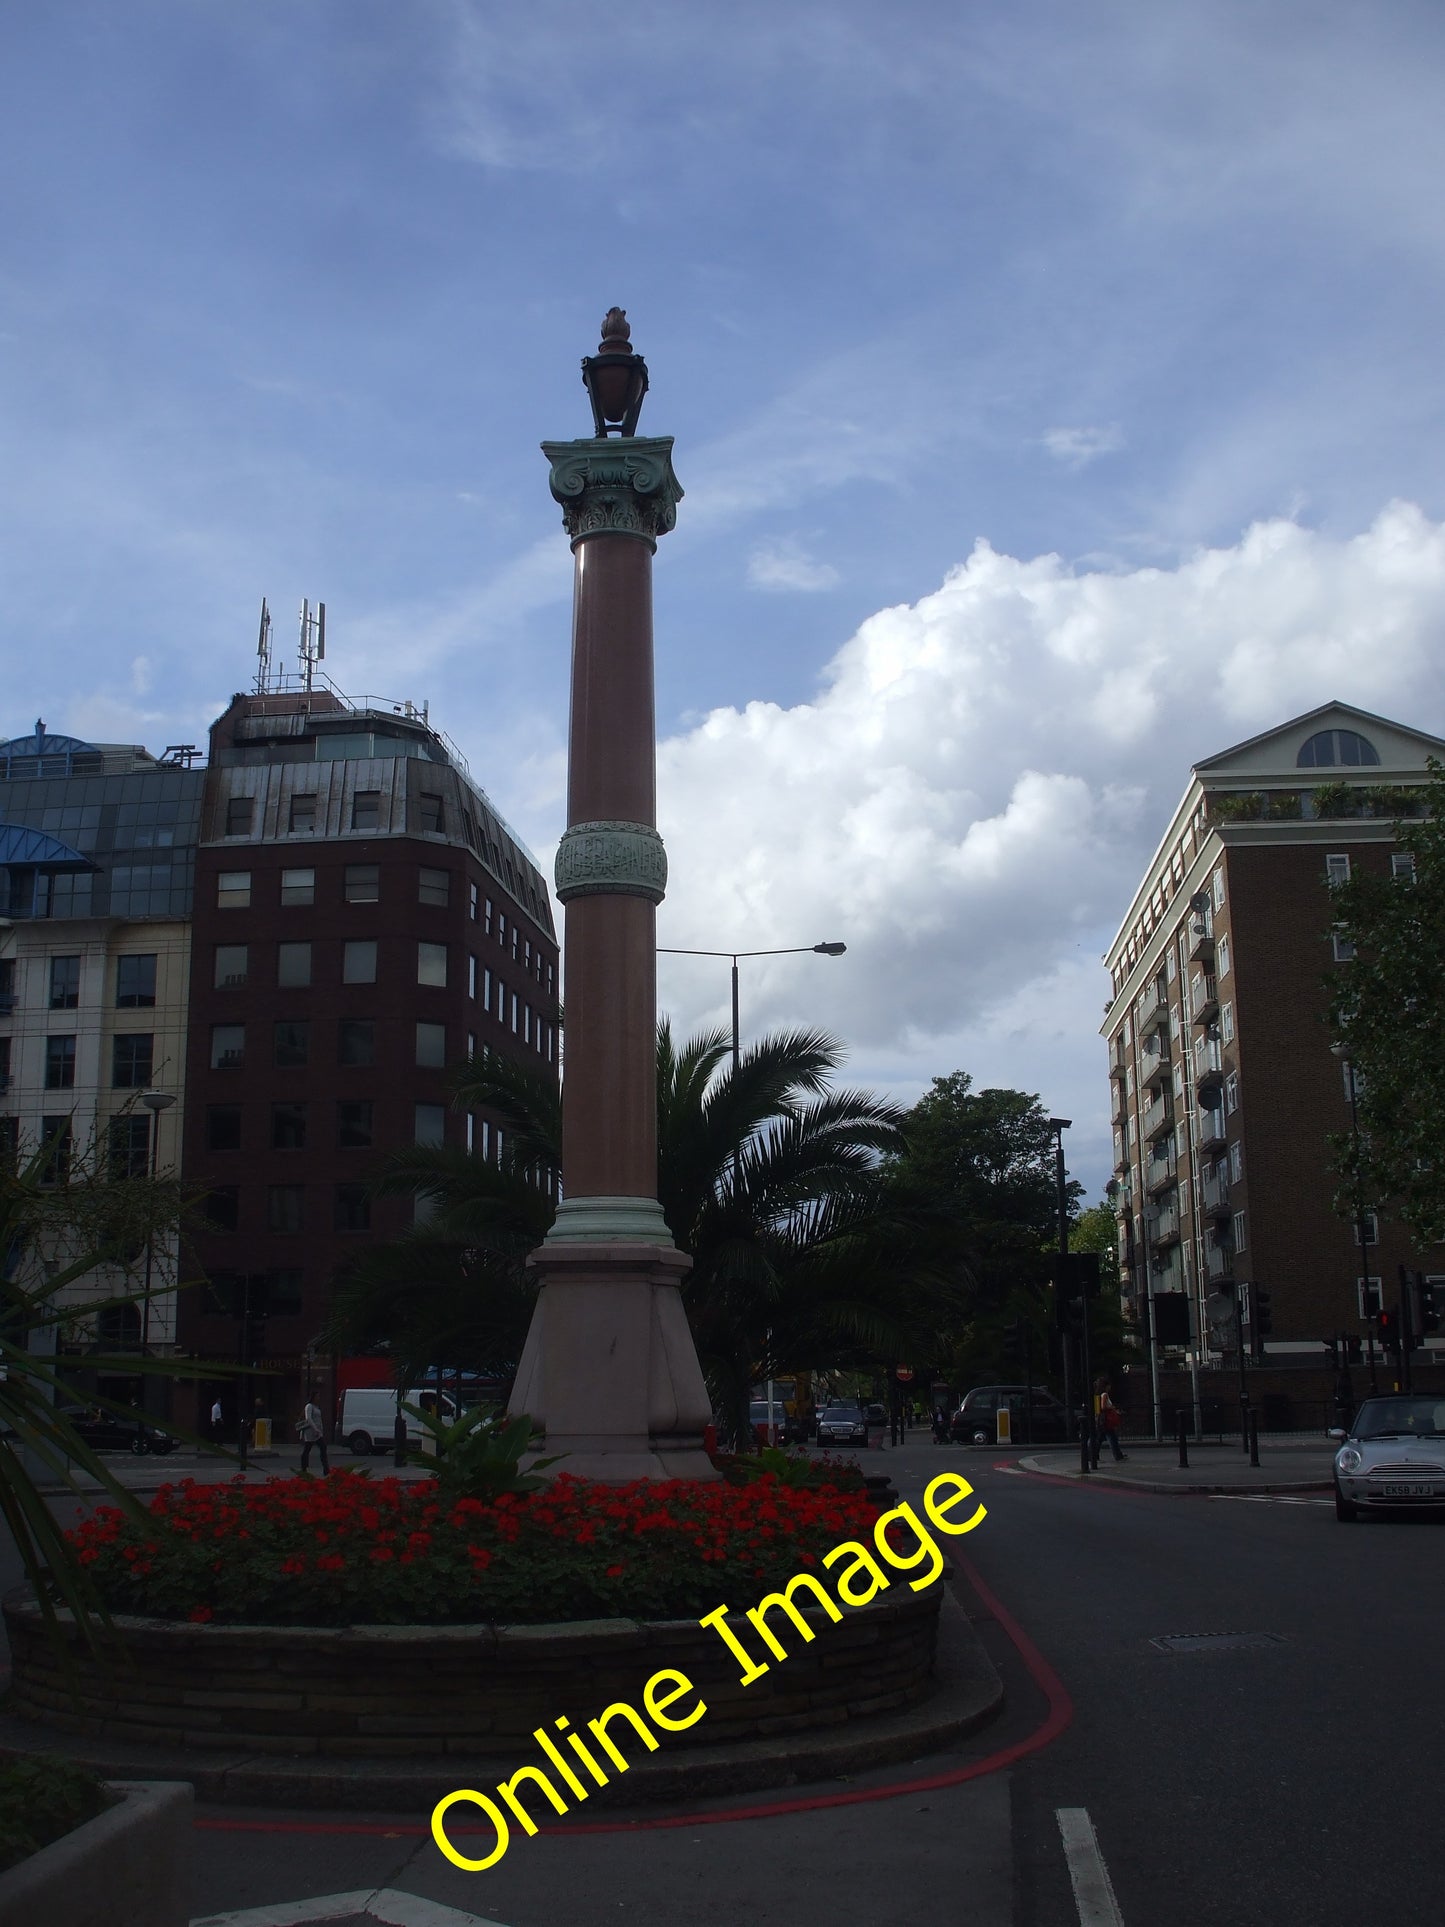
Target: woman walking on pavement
(1106, 1421)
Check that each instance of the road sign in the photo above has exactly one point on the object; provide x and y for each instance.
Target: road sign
(903, 1373)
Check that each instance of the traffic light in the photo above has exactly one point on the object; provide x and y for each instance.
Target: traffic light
(253, 1337)
(1013, 1341)
(1387, 1329)
(1424, 1309)
(1429, 1306)
(1263, 1317)
(1171, 1317)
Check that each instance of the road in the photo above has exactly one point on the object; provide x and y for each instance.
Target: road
(1292, 1778)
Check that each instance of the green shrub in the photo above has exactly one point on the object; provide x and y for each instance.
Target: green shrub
(42, 1800)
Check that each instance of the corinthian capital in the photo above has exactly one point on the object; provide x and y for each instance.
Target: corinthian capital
(621, 486)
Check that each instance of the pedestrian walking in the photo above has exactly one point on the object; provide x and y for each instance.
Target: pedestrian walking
(313, 1432)
(216, 1419)
(1106, 1421)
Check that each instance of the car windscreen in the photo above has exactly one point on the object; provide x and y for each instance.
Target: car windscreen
(1400, 1417)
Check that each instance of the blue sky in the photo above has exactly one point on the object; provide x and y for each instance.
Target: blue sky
(1141, 299)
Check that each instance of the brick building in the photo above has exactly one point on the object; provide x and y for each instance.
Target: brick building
(364, 920)
(1224, 1089)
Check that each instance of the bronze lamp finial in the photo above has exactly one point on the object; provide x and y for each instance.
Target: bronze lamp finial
(615, 378)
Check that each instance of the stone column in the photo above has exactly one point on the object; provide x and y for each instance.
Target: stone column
(609, 1368)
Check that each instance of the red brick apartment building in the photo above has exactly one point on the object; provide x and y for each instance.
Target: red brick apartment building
(1224, 1090)
(363, 920)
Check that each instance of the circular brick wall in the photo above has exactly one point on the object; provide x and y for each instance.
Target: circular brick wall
(372, 1691)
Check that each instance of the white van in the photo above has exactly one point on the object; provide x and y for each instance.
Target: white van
(368, 1418)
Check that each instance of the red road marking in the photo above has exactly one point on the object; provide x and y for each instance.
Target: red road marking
(1057, 1719)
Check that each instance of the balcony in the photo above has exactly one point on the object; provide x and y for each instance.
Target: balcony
(1116, 1102)
(1153, 1009)
(1209, 1132)
(1214, 1189)
(1160, 1170)
(1118, 1057)
(1201, 942)
(1208, 1063)
(1157, 1117)
(1218, 1261)
(7, 1002)
(1203, 997)
(1156, 1060)
(1163, 1223)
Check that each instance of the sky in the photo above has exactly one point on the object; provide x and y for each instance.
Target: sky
(1057, 395)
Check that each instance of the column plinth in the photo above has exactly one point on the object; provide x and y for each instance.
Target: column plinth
(610, 1370)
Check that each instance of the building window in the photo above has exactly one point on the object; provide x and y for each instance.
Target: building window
(238, 815)
(1218, 887)
(1226, 1023)
(366, 810)
(502, 928)
(135, 983)
(1171, 965)
(356, 1041)
(128, 1147)
(434, 887)
(471, 975)
(1341, 948)
(228, 1046)
(353, 1124)
(283, 1293)
(486, 990)
(223, 1127)
(433, 815)
(552, 984)
(526, 1023)
(358, 961)
(293, 965)
(64, 983)
(298, 887)
(1231, 1092)
(473, 896)
(232, 962)
(487, 916)
(292, 1044)
(302, 818)
(55, 1146)
(1370, 1223)
(471, 1131)
(131, 1056)
(431, 964)
(1337, 870)
(1239, 1231)
(516, 943)
(288, 1127)
(353, 1208)
(431, 1046)
(551, 1045)
(1221, 958)
(1402, 866)
(1337, 748)
(284, 1209)
(486, 1139)
(223, 1208)
(233, 890)
(1236, 1162)
(363, 883)
(471, 1044)
(431, 1123)
(514, 1013)
(60, 1063)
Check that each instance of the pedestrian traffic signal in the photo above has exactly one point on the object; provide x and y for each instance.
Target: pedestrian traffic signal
(1429, 1305)
(1424, 1307)
(1263, 1317)
(1387, 1328)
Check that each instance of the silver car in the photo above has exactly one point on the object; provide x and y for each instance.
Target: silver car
(1393, 1457)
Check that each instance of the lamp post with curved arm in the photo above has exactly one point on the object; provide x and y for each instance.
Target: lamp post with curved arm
(790, 950)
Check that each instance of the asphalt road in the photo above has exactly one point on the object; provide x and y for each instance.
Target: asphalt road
(1293, 1779)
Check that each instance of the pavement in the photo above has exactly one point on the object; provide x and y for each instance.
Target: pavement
(1290, 1466)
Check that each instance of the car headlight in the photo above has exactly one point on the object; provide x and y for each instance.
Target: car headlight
(1348, 1459)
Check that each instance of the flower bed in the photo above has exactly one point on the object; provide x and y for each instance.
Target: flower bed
(351, 1550)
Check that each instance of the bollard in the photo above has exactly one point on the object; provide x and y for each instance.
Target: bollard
(398, 1441)
(1254, 1438)
(1183, 1440)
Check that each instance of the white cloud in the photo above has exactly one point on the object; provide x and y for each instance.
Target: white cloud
(786, 564)
(970, 797)
(1077, 447)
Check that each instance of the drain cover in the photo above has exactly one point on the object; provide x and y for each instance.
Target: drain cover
(1216, 1642)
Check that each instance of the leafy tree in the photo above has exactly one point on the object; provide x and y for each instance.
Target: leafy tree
(1388, 1014)
(64, 1218)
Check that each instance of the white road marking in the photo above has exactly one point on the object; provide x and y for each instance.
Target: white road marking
(1016, 1469)
(1093, 1890)
(1266, 1498)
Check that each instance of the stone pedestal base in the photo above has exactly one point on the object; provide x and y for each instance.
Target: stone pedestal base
(609, 1369)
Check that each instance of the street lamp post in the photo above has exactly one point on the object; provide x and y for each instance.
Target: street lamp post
(155, 1102)
(1360, 1225)
(792, 950)
(1058, 1125)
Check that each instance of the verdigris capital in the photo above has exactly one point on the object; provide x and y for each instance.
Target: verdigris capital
(623, 485)
(611, 859)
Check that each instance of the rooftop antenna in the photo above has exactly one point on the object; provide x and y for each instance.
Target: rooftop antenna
(263, 650)
(313, 640)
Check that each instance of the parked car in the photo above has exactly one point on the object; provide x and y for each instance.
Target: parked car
(976, 1420)
(1392, 1457)
(368, 1417)
(103, 1432)
(781, 1425)
(842, 1425)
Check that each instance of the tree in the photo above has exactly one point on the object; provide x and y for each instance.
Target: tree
(1388, 1015)
(67, 1214)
